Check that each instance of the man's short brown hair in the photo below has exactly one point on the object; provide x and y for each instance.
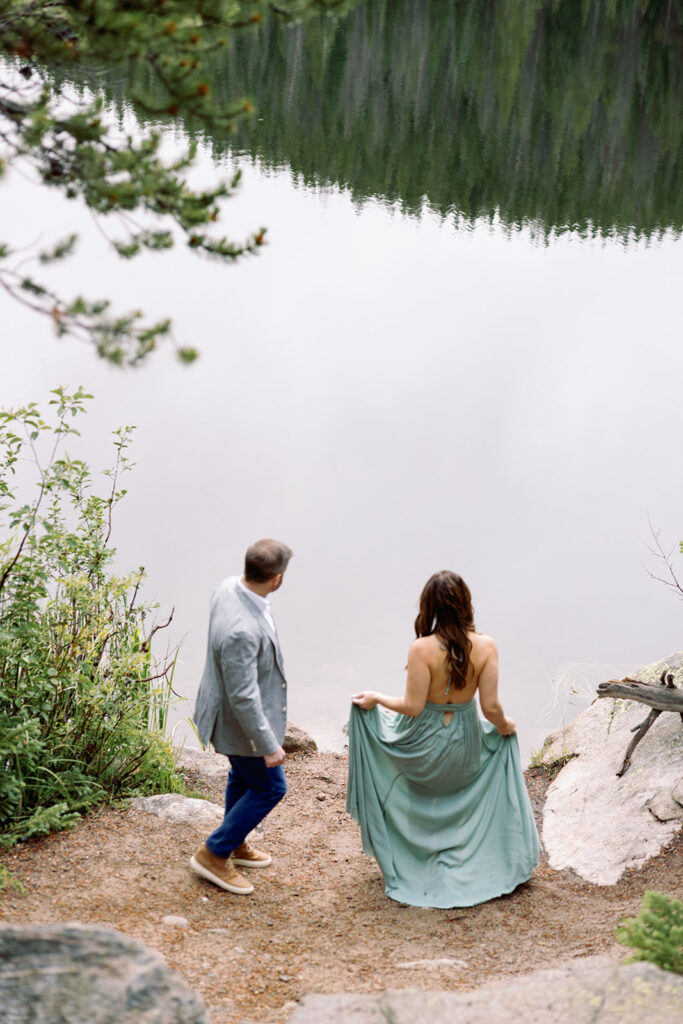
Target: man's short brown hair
(264, 559)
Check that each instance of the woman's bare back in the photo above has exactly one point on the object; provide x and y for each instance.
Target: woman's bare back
(440, 692)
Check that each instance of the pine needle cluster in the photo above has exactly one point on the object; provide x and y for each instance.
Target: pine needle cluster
(656, 934)
(55, 122)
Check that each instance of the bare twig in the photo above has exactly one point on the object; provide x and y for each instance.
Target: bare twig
(658, 552)
(155, 629)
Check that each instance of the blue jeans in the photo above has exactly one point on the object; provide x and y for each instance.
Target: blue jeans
(251, 793)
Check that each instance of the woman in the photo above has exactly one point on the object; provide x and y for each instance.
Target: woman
(439, 795)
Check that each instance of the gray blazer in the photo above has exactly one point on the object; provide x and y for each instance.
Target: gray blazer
(242, 700)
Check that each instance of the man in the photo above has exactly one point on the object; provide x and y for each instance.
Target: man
(242, 709)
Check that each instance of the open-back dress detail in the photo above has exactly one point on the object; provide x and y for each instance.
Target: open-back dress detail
(441, 803)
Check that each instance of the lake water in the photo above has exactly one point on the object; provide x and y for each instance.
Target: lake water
(460, 349)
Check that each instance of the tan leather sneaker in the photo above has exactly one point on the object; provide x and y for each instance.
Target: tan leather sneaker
(249, 857)
(220, 871)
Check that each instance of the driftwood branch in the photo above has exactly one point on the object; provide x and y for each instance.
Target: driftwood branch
(665, 697)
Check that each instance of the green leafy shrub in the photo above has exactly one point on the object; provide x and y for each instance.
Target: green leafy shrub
(83, 703)
(656, 934)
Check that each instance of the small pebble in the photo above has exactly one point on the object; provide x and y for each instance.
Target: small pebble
(171, 921)
(320, 796)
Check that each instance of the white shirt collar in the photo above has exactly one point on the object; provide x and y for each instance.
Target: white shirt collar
(262, 603)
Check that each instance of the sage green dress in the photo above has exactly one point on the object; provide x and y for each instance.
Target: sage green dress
(442, 806)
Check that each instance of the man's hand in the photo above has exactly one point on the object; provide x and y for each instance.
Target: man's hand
(273, 760)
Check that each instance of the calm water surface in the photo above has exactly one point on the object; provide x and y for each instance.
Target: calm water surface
(461, 348)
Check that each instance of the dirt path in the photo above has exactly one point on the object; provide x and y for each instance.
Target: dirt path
(318, 920)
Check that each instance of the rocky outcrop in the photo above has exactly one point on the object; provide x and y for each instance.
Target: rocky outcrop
(673, 664)
(600, 824)
(79, 974)
(590, 991)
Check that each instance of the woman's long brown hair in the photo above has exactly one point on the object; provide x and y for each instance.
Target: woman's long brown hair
(446, 610)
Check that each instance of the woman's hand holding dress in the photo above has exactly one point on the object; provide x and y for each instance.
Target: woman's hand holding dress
(366, 700)
(508, 728)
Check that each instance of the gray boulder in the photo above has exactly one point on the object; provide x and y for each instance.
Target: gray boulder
(78, 974)
(183, 810)
(594, 990)
(208, 764)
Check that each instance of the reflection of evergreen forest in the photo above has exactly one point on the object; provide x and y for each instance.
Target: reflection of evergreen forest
(562, 113)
